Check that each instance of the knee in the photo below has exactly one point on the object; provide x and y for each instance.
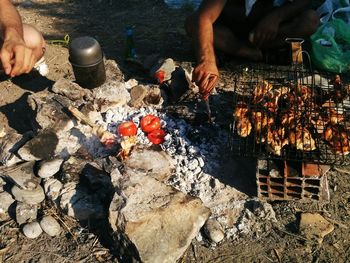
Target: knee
(311, 20)
(34, 40)
(190, 24)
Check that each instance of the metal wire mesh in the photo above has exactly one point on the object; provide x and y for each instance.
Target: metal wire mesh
(290, 114)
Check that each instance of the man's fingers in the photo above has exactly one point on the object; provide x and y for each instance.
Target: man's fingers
(19, 60)
(5, 57)
(27, 61)
(203, 83)
(211, 84)
(32, 63)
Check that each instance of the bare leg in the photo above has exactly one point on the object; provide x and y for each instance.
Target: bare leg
(301, 26)
(225, 40)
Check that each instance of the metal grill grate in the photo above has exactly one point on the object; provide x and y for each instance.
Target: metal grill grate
(290, 115)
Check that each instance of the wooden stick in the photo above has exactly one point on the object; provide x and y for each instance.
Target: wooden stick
(80, 116)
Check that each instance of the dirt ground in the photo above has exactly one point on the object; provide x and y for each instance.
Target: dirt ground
(158, 30)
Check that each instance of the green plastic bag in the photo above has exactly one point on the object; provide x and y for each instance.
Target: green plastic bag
(331, 46)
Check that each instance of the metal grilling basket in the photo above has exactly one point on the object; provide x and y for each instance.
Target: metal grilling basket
(290, 114)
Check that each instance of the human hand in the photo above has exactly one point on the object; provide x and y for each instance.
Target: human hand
(265, 31)
(16, 57)
(206, 76)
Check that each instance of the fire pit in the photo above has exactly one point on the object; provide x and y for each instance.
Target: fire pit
(287, 114)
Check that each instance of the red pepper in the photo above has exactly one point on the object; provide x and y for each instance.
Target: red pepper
(156, 136)
(159, 76)
(127, 128)
(150, 123)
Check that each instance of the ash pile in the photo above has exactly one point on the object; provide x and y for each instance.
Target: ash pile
(157, 198)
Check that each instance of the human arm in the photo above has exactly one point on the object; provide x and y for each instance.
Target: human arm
(268, 27)
(206, 72)
(15, 56)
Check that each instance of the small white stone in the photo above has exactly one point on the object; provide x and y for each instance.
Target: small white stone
(25, 213)
(52, 188)
(49, 168)
(50, 226)
(213, 231)
(131, 83)
(193, 164)
(32, 230)
(201, 161)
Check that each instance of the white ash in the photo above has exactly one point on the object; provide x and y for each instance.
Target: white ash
(196, 161)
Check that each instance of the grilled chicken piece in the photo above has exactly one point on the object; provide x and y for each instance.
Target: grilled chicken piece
(305, 92)
(333, 117)
(244, 127)
(261, 89)
(241, 110)
(301, 139)
(276, 141)
(261, 120)
(338, 138)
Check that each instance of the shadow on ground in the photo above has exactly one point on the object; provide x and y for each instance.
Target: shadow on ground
(153, 22)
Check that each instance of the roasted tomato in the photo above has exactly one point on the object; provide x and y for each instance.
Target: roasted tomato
(150, 123)
(156, 136)
(159, 76)
(127, 128)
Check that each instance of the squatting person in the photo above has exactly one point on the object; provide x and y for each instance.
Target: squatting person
(244, 28)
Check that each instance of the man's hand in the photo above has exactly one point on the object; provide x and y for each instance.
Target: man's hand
(16, 57)
(205, 75)
(266, 30)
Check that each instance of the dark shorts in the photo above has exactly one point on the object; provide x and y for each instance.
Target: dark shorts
(233, 16)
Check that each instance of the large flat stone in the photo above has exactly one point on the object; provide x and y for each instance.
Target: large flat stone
(313, 226)
(156, 219)
(157, 163)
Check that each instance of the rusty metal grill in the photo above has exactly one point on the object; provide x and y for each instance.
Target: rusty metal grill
(294, 114)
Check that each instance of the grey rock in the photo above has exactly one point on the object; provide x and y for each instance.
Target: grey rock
(71, 90)
(49, 168)
(52, 188)
(213, 230)
(72, 168)
(313, 226)
(22, 175)
(111, 94)
(113, 72)
(155, 97)
(32, 230)
(31, 197)
(137, 94)
(80, 203)
(156, 219)
(9, 145)
(41, 147)
(6, 202)
(158, 163)
(49, 112)
(50, 226)
(25, 213)
(166, 65)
